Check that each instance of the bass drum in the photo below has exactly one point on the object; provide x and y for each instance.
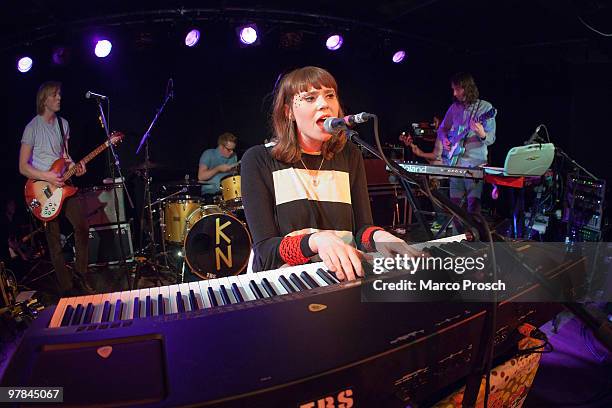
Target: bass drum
(217, 244)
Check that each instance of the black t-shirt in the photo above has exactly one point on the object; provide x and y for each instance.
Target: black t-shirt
(282, 199)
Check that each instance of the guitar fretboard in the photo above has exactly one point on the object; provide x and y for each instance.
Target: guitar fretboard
(86, 159)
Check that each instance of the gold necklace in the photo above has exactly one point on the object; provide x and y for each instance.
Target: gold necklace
(315, 176)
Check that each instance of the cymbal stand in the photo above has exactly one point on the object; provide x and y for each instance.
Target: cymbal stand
(152, 245)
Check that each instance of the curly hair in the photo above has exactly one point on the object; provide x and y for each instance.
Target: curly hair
(466, 81)
(287, 148)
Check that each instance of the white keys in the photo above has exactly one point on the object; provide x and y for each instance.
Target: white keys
(142, 298)
(184, 289)
(153, 292)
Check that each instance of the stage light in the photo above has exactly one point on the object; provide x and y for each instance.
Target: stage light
(192, 37)
(24, 64)
(334, 42)
(248, 34)
(60, 56)
(103, 48)
(399, 56)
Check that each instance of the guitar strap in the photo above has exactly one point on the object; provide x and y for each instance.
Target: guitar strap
(64, 141)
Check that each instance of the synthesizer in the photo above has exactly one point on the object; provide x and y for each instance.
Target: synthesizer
(288, 337)
(443, 171)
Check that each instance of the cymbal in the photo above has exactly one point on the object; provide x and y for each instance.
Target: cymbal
(148, 164)
(186, 183)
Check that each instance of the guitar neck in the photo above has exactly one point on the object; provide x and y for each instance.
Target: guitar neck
(86, 159)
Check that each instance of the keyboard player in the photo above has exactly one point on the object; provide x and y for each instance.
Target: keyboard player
(305, 195)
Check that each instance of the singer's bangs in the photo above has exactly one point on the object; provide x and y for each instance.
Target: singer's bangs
(302, 79)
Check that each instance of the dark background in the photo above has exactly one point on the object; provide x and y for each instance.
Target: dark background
(535, 61)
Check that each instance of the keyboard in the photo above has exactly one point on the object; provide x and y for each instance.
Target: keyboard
(290, 347)
(441, 170)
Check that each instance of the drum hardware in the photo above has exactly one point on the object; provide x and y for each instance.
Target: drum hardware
(147, 213)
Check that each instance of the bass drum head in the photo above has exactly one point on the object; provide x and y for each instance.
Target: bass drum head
(217, 245)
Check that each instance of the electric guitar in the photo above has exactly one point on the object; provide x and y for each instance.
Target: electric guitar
(44, 199)
(451, 156)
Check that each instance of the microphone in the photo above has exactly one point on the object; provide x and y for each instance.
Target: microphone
(535, 137)
(89, 95)
(332, 125)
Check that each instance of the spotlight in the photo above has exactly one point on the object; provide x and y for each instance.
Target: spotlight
(334, 42)
(24, 64)
(399, 56)
(192, 37)
(103, 48)
(248, 34)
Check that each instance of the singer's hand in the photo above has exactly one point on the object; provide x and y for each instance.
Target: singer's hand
(389, 245)
(339, 257)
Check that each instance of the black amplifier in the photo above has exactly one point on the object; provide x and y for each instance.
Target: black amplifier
(107, 242)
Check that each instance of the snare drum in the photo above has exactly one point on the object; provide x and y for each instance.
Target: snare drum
(230, 190)
(176, 213)
(217, 244)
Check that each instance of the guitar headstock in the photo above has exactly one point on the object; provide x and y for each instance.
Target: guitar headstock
(116, 137)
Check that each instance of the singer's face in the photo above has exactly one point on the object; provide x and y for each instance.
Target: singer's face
(53, 101)
(310, 109)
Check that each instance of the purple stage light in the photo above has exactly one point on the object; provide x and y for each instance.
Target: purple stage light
(103, 48)
(334, 42)
(248, 35)
(192, 37)
(399, 56)
(24, 64)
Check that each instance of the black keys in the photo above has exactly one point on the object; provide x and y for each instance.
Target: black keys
(309, 280)
(88, 313)
(78, 313)
(117, 314)
(224, 296)
(136, 308)
(268, 287)
(193, 302)
(237, 293)
(148, 307)
(161, 307)
(106, 311)
(286, 284)
(212, 297)
(255, 289)
(298, 282)
(67, 316)
(180, 304)
(327, 277)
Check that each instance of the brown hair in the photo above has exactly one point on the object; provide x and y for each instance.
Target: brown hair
(466, 81)
(226, 137)
(287, 148)
(46, 89)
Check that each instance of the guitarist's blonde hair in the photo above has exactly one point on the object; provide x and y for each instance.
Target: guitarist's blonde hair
(46, 89)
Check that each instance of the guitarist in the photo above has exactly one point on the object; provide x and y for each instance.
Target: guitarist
(45, 139)
(461, 119)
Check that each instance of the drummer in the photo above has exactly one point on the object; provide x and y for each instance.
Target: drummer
(216, 164)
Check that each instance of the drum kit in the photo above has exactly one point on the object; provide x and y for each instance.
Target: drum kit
(212, 240)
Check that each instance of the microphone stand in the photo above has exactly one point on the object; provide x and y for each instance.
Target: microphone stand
(354, 137)
(144, 141)
(104, 123)
(421, 182)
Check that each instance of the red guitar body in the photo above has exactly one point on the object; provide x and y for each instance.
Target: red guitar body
(44, 199)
